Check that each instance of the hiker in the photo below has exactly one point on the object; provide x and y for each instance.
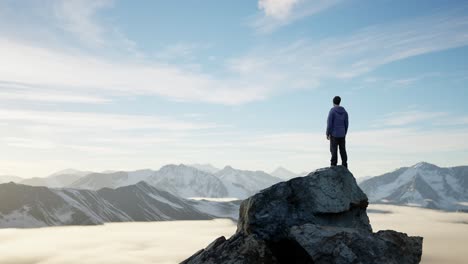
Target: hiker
(337, 127)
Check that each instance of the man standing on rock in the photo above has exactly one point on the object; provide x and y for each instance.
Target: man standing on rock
(337, 127)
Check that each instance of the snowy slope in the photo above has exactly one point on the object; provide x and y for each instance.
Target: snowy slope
(181, 180)
(186, 182)
(205, 167)
(423, 184)
(36, 206)
(143, 202)
(96, 181)
(242, 183)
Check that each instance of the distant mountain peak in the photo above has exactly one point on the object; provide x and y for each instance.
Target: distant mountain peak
(423, 184)
(205, 167)
(283, 173)
(228, 168)
(141, 183)
(425, 165)
(171, 167)
(174, 166)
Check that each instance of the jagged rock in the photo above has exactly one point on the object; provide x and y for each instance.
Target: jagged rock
(325, 197)
(320, 218)
(239, 249)
(327, 244)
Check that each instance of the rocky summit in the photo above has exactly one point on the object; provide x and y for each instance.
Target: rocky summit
(319, 218)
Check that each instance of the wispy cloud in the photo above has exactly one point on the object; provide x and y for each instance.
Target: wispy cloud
(410, 117)
(258, 74)
(453, 121)
(305, 63)
(63, 138)
(277, 13)
(416, 118)
(86, 73)
(79, 18)
(66, 24)
(277, 8)
(11, 93)
(96, 121)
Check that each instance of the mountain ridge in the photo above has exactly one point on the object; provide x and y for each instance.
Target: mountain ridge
(185, 181)
(423, 184)
(36, 206)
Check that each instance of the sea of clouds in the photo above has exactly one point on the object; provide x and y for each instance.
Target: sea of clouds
(445, 239)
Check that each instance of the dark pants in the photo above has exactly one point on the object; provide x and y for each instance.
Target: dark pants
(340, 142)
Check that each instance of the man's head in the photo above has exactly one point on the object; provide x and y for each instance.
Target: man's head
(336, 100)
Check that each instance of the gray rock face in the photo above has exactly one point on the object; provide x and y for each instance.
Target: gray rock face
(325, 197)
(320, 218)
(344, 245)
(238, 249)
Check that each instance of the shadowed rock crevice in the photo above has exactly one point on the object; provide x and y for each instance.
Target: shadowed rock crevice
(319, 218)
(287, 251)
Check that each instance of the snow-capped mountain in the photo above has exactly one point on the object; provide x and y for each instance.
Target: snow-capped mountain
(205, 167)
(423, 184)
(10, 178)
(96, 181)
(283, 173)
(180, 180)
(36, 206)
(186, 181)
(59, 179)
(242, 183)
(143, 202)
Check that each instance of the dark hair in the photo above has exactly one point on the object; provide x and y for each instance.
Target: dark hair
(337, 100)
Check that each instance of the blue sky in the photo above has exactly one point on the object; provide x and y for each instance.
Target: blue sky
(99, 85)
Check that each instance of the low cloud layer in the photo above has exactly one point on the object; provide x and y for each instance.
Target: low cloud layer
(445, 234)
(445, 237)
(136, 243)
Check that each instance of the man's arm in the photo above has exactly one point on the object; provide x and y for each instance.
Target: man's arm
(329, 124)
(346, 123)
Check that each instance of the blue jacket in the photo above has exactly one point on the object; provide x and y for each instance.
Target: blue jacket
(337, 123)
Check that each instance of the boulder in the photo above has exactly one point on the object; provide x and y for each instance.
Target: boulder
(329, 197)
(319, 218)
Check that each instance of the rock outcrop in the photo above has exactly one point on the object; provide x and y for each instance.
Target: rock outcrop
(319, 218)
